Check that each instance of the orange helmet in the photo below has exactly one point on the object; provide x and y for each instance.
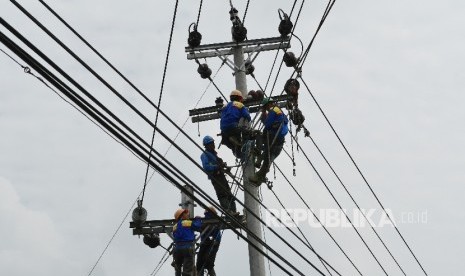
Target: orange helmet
(179, 213)
(211, 209)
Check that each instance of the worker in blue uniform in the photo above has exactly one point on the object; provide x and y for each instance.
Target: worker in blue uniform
(234, 118)
(215, 169)
(209, 244)
(184, 238)
(271, 143)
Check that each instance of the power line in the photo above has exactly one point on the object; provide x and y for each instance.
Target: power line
(361, 174)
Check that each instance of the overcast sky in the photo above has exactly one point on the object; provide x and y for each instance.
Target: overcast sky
(389, 75)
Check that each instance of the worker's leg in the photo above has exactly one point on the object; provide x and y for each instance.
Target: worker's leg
(178, 261)
(210, 263)
(223, 192)
(201, 258)
(188, 262)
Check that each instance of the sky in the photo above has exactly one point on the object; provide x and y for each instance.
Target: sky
(388, 75)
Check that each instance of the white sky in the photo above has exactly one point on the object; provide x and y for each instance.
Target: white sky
(389, 75)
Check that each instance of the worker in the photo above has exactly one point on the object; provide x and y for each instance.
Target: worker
(271, 143)
(209, 244)
(215, 169)
(184, 238)
(234, 118)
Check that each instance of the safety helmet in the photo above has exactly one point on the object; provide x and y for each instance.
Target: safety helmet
(179, 213)
(236, 93)
(266, 101)
(211, 209)
(207, 140)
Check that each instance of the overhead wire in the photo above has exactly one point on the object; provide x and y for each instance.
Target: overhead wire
(51, 78)
(362, 175)
(160, 96)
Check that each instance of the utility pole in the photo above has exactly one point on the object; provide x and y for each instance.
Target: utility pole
(187, 202)
(222, 50)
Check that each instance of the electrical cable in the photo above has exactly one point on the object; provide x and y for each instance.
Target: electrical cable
(160, 96)
(361, 174)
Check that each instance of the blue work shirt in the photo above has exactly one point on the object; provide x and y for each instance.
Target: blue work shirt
(183, 232)
(273, 121)
(213, 233)
(231, 114)
(209, 162)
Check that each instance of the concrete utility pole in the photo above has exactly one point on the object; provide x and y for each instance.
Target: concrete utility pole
(256, 260)
(222, 50)
(187, 202)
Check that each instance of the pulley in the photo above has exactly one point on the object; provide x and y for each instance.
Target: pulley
(139, 214)
(249, 68)
(152, 240)
(289, 59)
(194, 36)
(204, 71)
(297, 117)
(285, 26)
(292, 87)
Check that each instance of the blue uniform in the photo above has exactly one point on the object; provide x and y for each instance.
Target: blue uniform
(276, 120)
(231, 114)
(183, 232)
(209, 162)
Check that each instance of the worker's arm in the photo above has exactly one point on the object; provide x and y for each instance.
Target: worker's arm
(207, 163)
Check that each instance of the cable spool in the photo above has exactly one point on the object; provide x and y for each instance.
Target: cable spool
(290, 60)
(285, 26)
(249, 68)
(152, 240)
(204, 71)
(194, 36)
(297, 117)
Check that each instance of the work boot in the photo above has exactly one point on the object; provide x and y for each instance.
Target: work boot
(235, 141)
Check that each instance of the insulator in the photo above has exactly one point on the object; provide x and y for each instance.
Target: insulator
(152, 240)
(219, 102)
(285, 26)
(249, 68)
(292, 87)
(297, 117)
(204, 71)
(260, 95)
(239, 33)
(139, 215)
(252, 95)
(194, 38)
(289, 59)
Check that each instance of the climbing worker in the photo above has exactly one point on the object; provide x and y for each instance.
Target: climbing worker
(215, 169)
(184, 238)
(271, 142)
(209, 244)
(234, 119)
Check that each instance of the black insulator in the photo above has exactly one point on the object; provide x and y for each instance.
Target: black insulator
(297, 117)
(289, 59)
(239, 33)
(204, 71)
(249, 68)
(152, 240)
(194, 38)
(139, 215)
(285, 26)
(292, 87)
(260, 95)
(252, 95)
(219, 102)
(233, 14)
